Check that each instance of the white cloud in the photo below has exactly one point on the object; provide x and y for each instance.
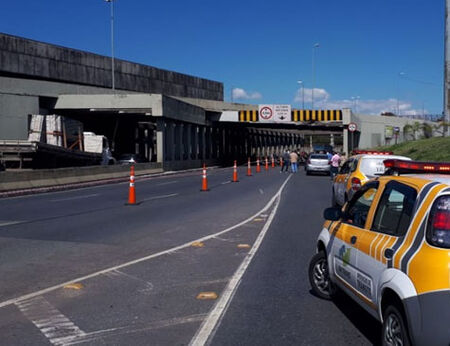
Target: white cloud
(320, 95)
(323, 99)
(239, 93)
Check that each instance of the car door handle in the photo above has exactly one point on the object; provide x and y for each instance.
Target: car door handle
(388, 253)
(353, 239)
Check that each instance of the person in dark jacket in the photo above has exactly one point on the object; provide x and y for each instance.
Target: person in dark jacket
(286, 162)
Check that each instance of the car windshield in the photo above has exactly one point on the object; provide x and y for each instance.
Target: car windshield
(319, 157)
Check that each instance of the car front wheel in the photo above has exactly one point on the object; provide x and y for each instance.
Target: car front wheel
(319, 277)
(394, 332)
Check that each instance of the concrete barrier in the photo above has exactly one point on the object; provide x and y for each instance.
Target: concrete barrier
(29, 179)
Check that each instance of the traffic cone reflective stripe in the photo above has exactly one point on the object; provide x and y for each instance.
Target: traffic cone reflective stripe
(258, 167)
(249, 169)
(204, 180)
(235, 179)
(267, 164)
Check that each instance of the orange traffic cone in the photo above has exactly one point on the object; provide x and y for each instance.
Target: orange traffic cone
(235, 178)
(273, 162)
(249, 169)
(258, 167)
(131, 191)
(267, 164)
(204, 180)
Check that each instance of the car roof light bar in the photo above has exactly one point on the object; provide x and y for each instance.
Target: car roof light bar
(371, 152)
(402, 166)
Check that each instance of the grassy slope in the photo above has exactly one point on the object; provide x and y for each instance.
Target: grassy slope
(431, 149)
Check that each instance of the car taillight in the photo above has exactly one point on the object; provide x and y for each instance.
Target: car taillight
(438, 232)
(356, 184)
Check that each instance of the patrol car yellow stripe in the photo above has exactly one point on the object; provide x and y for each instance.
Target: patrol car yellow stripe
(241, 115)
(409, 238)
(429, 269)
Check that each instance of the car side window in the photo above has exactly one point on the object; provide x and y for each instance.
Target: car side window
(395, 209)
(358, 208)
(345, 168)
(353, 165)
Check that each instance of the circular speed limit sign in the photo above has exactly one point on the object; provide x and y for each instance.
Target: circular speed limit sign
(352, 127)
(266, 113)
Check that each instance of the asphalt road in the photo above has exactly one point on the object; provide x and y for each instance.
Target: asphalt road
(225, 267)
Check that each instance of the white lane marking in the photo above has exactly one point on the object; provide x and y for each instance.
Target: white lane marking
(159, 197)
(225, 182)
(212, 322)
(146, 258)
(7, 223)
(169, 182)
(74, 198)
(261, 191)
(50, 321)
(134, 328)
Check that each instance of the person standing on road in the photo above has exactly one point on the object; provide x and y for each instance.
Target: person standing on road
(335, 161)
(286, 161)
(294, 160)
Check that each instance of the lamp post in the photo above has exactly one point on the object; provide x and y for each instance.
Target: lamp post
(316, 45)
(303, 93)
(355, 103)
(113, 85)
(400, 74)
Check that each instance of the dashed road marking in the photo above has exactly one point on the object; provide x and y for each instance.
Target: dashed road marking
(74, 198)
(258, 219)
(8, 223)
(160, 197)
(167, 183)
(56, 327)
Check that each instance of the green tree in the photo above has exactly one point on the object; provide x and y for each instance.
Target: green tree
(427, 130)
(441, 127)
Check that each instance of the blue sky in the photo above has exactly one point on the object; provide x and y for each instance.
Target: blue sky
(372, 51)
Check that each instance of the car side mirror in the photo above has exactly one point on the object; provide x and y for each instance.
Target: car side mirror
(332, 214)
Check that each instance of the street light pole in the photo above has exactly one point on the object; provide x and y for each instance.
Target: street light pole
(303, 93)
(400, 74)
(113, 85)
(313, 73)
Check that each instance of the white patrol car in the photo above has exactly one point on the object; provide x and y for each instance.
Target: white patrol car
(389, 249)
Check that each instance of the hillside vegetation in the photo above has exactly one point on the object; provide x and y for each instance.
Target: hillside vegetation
(430, 149)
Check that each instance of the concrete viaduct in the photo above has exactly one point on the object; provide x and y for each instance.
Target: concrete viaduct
(168, 117)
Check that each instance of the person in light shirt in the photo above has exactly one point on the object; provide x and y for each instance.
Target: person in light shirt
(335, 161)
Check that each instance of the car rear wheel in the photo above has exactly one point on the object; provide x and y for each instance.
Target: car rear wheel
(394, 332)
(319, 277)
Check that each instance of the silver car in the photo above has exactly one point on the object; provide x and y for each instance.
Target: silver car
(317, 163)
